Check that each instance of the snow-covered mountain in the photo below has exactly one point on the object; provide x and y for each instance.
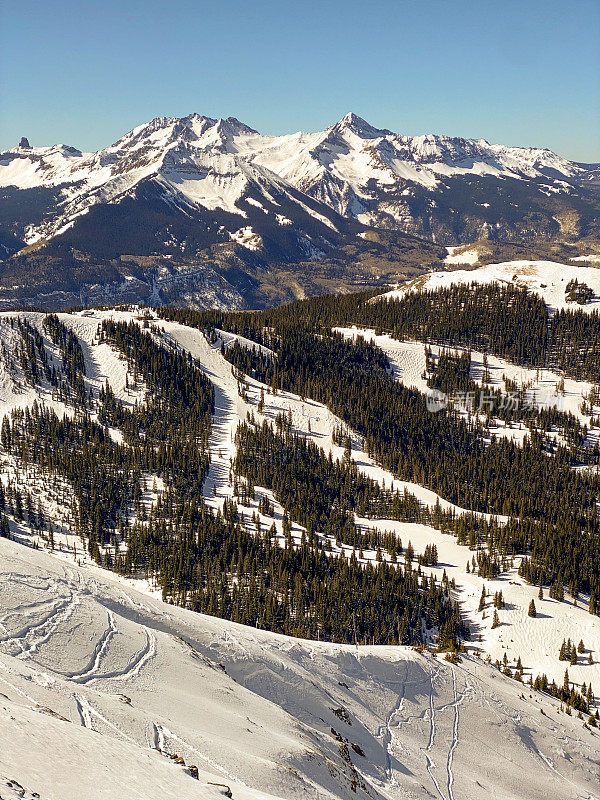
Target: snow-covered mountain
(350, 164)
(352, 167)
(193, 164)
(202, 192)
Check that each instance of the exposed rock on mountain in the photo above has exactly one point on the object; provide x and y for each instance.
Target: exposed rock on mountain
(216, 199)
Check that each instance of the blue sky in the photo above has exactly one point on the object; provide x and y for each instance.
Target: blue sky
(522, 73)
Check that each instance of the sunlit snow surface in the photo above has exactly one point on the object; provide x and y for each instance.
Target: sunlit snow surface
(212, 163)
(259, 713)
(80, 651)
(547, 279)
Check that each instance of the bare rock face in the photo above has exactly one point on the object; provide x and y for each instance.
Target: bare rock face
(24, 143)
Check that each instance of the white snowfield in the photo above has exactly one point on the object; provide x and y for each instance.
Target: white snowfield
(547, 279)
(462, 257)
(99, 685)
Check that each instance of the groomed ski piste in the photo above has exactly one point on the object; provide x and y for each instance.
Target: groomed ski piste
(262, 715)
(543, 388)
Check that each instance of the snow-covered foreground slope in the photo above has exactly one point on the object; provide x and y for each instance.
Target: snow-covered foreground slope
(547, 279)
(94, 676)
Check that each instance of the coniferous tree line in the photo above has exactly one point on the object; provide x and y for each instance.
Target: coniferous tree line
(554, 506)
(308, 485)
(441, 451)
(317, 492)
(574, 344)
(567, 693)
(203, 560)
(211, 564)
(73, 360)
(506, 321)
(449, 372)
(33, 351)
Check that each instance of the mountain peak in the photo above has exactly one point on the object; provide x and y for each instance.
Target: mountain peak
(359, 126)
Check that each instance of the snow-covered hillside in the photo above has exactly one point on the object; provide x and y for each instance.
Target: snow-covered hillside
(235, 399)
(546, 389)
(547, 279)
(259, 715)
(107, 693)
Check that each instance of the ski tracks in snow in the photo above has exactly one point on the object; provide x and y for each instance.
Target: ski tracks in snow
(430, 744)
(31, 636)
(385, 731)
(458, 699)
(130, 670)
(101, 646)
(162, 737)
(454, 744)
(87, 712)
(39, 621)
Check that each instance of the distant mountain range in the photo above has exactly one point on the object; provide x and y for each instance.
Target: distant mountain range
(209, 211)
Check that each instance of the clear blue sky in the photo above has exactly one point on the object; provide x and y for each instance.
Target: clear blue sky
(84, 72)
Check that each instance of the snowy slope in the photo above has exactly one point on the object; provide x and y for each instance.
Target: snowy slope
(260, 713)
(537, 641)
(408, 362)
(103, 364)
(311, 419)
(28, 168)
(547, 279)
(94, 676)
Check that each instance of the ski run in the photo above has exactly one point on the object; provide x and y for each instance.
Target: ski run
(107, 692)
